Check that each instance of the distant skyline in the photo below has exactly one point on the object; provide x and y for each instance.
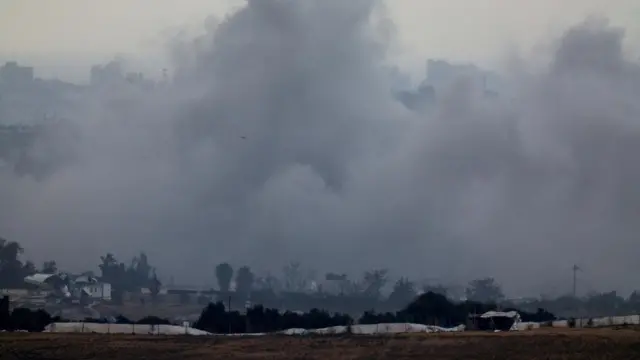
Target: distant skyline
(64, 37)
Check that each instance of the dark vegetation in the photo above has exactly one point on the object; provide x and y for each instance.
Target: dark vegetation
(23, 319)
(428, 309)
(292, 290)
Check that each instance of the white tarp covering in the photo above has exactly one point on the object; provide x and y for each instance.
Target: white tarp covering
(373, 329)
(79, 327)
(38, 279)
(523, 326)
(509, 314)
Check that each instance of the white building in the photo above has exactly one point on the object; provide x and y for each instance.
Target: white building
(95, 291)
(89, 287)
(81, 287)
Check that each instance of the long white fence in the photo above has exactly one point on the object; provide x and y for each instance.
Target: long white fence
(83, 327)
(600, 321)
(373, 329)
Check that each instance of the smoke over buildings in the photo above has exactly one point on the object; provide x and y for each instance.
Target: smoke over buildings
(278, 139)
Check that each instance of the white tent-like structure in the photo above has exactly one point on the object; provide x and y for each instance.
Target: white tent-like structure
(514, 316)
(49, 281)
(40, 279)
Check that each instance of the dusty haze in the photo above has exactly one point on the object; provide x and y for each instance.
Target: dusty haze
(279, 140)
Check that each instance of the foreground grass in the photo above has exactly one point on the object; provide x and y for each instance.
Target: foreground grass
(608, 344)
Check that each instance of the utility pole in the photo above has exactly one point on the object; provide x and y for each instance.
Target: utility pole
(575, 278)
(229, 313)
(247, 306)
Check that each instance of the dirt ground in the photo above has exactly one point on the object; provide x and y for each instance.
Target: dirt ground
(610, 344)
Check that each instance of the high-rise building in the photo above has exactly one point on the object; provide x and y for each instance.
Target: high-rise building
(13, 74)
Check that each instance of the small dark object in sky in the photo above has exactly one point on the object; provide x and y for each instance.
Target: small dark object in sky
(243, 137)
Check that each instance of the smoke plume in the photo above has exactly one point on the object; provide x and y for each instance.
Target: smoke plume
(278, 139)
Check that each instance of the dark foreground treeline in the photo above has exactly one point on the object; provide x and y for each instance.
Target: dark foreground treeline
(23, 319)
(428, 309)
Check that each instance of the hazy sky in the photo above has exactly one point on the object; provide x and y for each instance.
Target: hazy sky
(47, 32)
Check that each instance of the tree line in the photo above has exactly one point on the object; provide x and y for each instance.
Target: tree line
(12, 270)
(428, 309)
(22, 318)
(294, 288)
(137, 274)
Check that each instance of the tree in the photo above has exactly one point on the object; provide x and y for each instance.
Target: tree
(108, 267)
(114, 273)
(49, 267)
(244, 280)
(268, 282)
(403, 293)
(139, 272)
(29, 268)
(293, 279)
(436, 289)
(224, 274)
(430, 308)
(137, 275)
(9, 250)
(12, 271)
(155, 285)
(374, 281)
(485, 290)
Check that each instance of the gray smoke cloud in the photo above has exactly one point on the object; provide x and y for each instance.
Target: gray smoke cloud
(279, 140)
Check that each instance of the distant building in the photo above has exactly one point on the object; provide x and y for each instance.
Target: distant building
(138, 80)
(333, 284)
(419, 100)
(14, 75)
(106, 75)
(65, 286)
(45, 281)
(94, 291)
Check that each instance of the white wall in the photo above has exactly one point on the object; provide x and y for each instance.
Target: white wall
(100, 291)
(600, 321)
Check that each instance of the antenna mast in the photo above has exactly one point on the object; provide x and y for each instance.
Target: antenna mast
(575, 278)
